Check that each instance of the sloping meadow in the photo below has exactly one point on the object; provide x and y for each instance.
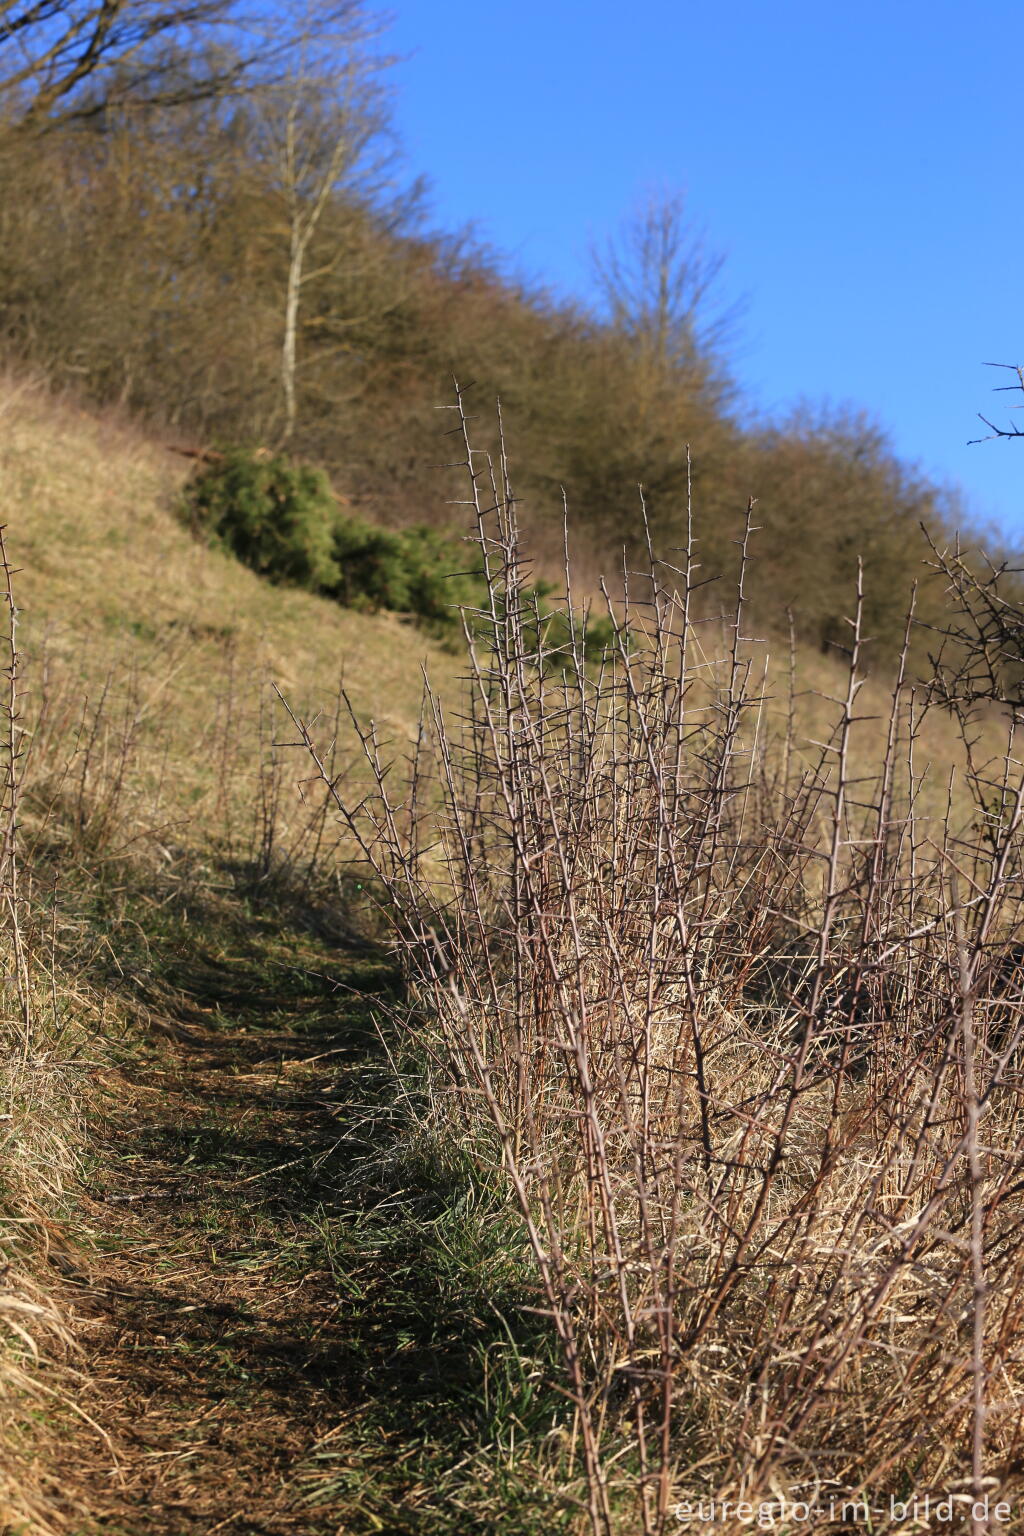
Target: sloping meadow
(138, 765)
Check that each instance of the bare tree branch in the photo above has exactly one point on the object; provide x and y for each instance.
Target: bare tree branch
(69, 60)
(1012, 430)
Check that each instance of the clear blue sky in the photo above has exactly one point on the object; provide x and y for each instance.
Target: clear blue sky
(857, 163)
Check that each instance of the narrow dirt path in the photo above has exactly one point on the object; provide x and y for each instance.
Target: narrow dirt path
(225, 1355)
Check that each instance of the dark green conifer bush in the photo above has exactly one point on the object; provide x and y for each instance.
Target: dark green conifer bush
(415, 570)
(282, 520)
(277, 517)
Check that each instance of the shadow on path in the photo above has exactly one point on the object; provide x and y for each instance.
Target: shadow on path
(287, 1316)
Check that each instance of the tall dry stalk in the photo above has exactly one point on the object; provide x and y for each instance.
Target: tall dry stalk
(37, 1110)
(16, 978)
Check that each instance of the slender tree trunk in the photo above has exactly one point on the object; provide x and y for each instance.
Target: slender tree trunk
(304, 213)
(291, 321)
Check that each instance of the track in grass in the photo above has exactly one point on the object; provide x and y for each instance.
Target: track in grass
(293, 1323)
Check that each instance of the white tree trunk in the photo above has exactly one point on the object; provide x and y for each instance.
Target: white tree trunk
(291, 323)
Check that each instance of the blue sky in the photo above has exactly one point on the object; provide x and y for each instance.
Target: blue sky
(857, 164)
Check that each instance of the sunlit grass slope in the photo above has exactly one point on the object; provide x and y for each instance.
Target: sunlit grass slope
(117, 593)
(111, 584)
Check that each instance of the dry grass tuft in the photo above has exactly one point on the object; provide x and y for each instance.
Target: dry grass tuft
(38, 1141)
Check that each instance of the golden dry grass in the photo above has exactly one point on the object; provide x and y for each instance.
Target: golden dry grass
(131, 628)
(111, 581)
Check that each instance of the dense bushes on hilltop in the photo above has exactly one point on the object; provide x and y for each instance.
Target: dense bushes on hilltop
(150, 258)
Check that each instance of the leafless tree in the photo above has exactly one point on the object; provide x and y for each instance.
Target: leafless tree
(660, 282)
(59, 58)
(325, 124)
(67, 60)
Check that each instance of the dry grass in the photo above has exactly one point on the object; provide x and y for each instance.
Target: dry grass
(146, 664)
(38, 1141)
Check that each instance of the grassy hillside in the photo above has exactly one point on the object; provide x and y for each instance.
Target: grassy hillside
(110, 578)
(265, 1269)
(597, 399)
(150, 774)
(113, 586)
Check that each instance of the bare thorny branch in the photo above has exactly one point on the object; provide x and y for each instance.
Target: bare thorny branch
(730, 1016)
(1012, 430)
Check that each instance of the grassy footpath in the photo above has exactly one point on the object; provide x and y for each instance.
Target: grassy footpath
(298, 1312)
(292, 1306)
